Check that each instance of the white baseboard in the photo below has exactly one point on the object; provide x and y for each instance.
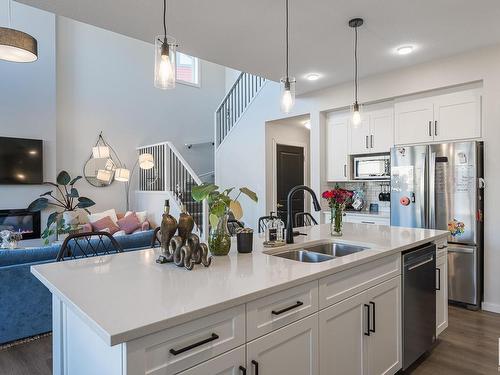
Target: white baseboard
(491, 307)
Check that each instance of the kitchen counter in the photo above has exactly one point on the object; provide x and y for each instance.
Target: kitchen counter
(126, 296)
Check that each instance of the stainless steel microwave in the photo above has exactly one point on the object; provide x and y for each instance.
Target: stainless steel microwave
(375, 167)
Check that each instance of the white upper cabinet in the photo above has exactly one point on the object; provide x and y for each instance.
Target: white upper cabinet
(375, 134)
(457, 116)
(446, 117)
(337, 163)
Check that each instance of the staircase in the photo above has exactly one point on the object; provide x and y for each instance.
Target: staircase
(173, 174)
(234, 104)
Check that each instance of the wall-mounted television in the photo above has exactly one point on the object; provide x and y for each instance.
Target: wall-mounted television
(21, 161)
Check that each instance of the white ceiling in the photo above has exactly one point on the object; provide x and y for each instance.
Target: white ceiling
(249, 35)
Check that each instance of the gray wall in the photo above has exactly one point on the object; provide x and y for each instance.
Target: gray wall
(28, 98)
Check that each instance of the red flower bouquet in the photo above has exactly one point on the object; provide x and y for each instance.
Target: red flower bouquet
(337, 201)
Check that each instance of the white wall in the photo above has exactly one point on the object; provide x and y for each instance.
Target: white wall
(288, 133)
(105, 82)
(247, 139)
(28, 99)
(231, 76)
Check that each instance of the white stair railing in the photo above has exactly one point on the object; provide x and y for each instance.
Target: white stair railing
(234, 104)
(172, 173)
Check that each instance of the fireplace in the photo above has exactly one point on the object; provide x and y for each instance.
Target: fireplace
(23, 221)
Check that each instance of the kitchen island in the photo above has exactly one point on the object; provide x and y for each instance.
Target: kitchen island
(126, 314)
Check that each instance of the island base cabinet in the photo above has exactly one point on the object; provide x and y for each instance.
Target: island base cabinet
(362, 334)
(291, 350)
(441, 293)
(230, 363)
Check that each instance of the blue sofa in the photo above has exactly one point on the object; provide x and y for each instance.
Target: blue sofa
(25, 303)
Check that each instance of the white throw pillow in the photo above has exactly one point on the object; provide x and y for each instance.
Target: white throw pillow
(99, 215)
(142, 216)
(119, 233)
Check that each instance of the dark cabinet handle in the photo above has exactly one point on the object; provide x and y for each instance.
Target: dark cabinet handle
(255, 364)
(435, 128)
(279, 312)
(195, 345)
(243, 370)
(372, 329)
(439, 279)
(367, 332)
(430, 128)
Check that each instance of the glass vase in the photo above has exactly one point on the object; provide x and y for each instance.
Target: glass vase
(337, 214)
(219, 240)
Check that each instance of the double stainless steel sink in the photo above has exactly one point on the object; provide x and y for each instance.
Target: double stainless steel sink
(321, 253)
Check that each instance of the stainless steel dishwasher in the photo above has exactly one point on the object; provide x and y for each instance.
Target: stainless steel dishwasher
(419, 302)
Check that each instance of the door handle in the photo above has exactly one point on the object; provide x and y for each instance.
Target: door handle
(371, 140)
(366, 142)
(430, 128)
(438, 279)
(435, 128)
(345, 170)
(367, 308)
(243, 370)
(195, 345)
(282, 311)
(373, 328)
(255, 365)
(367, 222)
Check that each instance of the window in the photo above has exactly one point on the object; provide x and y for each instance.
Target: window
(187, 69)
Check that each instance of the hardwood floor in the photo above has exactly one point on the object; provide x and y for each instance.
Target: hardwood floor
(469, 346)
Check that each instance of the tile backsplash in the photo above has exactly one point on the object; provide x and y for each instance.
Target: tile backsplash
(371, 190)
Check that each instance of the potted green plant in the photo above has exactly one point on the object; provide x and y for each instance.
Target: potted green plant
(65, 200)
(220, 204)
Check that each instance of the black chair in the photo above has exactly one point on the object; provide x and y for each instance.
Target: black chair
(156, 237)
(304, 219)
(90, 244)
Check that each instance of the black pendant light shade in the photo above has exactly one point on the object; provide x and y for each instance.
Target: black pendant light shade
(17, 46)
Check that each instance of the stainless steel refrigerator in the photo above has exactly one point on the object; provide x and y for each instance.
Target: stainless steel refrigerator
(440, 186)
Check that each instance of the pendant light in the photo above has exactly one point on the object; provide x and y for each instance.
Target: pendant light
(15, 45)
(356, 115)
(287, 82)
(165, 47)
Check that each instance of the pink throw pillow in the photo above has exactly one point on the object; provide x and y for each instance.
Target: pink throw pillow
(105, 223)
(129, 223)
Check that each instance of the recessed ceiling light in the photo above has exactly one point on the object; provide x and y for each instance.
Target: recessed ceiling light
(404, 50)
(313, 76)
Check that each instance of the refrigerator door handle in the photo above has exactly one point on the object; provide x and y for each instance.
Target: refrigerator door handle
(432, 193)
(424, 194)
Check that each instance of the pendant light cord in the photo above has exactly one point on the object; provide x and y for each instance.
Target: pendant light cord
(356, 64)
(286, 36)
(10, 13)
(165, 18)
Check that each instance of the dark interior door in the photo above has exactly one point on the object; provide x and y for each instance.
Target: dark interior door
(290, 173)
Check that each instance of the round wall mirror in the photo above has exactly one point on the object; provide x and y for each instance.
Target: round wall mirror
(99, 172)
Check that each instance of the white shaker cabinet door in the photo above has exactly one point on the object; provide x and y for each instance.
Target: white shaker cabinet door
(383, 355)
(381, 131)
(341, 337)
(414, 121)
(291, 350)
(457, 116)
(441, 293)
(337, 149)
(360, 136)
(230, 363)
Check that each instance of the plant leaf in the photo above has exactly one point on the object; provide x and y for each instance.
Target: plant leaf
(218, 208)
(38, 204)
(202, 191)
(84, 202)
(51, 183)
(46, 193)
(63, 178)
(73, 193)
(250, 194)
(73, 181)
(52, 218)
(228, 191)
(236, 209)
(214, 220)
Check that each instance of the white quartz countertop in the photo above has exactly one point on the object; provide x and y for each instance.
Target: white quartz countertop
(126, 296)
(380, 214)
